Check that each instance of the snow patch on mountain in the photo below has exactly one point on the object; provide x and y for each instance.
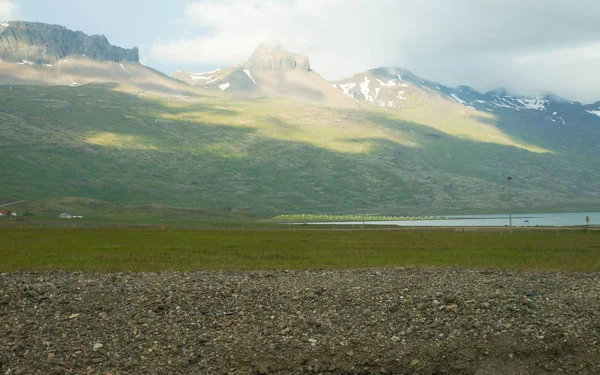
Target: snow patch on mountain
(400, 95)
(536, 104)
(249, 75)
(196, 77)
(364, 89)
(25, 62)
(5, 24)
(389, 104)
(597, 113)
(390, 83)
(347, 87)
(224, 86)
(458, 99)
(48, 65)
(213, 80)
(377, 92)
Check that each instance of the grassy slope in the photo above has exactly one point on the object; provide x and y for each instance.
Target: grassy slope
(102, 250)
(220, 153)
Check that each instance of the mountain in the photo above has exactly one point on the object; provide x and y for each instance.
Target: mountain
(39, 43)
(536, 123)
(271, 71)
(272, 56)
(271, 135)
(42, 54)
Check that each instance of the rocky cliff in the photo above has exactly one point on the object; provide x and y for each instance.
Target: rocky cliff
(41, 43)
(272, 56)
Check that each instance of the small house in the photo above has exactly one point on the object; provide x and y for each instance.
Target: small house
(65, 216)
(13, 214)
(2, 213)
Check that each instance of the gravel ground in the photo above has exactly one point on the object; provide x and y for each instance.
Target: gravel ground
(373, 321)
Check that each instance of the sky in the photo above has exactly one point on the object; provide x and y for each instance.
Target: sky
(527, 47)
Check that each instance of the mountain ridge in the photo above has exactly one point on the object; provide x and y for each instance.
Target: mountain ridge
(41, 43)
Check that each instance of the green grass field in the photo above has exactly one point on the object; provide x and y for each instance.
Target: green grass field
(110, 249)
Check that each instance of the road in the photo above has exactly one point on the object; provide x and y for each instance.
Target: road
(11, 204)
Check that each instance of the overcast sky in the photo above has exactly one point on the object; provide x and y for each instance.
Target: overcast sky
(525, 46)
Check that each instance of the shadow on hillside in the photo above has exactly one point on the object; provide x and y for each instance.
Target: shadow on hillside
(191, 164)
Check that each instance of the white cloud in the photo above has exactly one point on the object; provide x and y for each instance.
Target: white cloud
(520, 44)
(9, 10)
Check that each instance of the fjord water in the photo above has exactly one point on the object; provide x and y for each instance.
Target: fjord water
(518, 220)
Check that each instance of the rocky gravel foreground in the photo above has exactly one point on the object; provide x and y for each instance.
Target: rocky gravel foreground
(372, 321)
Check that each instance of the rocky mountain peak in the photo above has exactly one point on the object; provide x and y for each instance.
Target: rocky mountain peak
(272, 56)
(42, 43)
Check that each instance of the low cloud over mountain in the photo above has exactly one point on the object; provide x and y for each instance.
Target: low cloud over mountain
(9, 10)
(524, 46)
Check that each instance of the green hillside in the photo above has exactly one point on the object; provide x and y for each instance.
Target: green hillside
(215, 152)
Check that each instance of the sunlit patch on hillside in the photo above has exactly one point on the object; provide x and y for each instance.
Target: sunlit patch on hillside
(465, 124)
(311, 125)
(118, 141)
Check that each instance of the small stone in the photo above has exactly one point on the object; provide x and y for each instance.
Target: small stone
(414, 363)
(263, 368)
(151, 315)
(395, 338)
(436, 302)
(184, 362)
(350, 353)
(450, 298)
(312, 341)
(20, 371)
(50, 356)
(97, 346)
(96, 360)
(203, 310)
(420, 306)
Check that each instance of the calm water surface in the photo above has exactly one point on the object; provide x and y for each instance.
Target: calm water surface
(546, 220)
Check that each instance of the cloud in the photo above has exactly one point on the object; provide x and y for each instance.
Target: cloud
(523, 45)
(9, 10)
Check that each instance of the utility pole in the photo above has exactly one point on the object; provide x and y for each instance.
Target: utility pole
(510, 203)
(289, 217)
